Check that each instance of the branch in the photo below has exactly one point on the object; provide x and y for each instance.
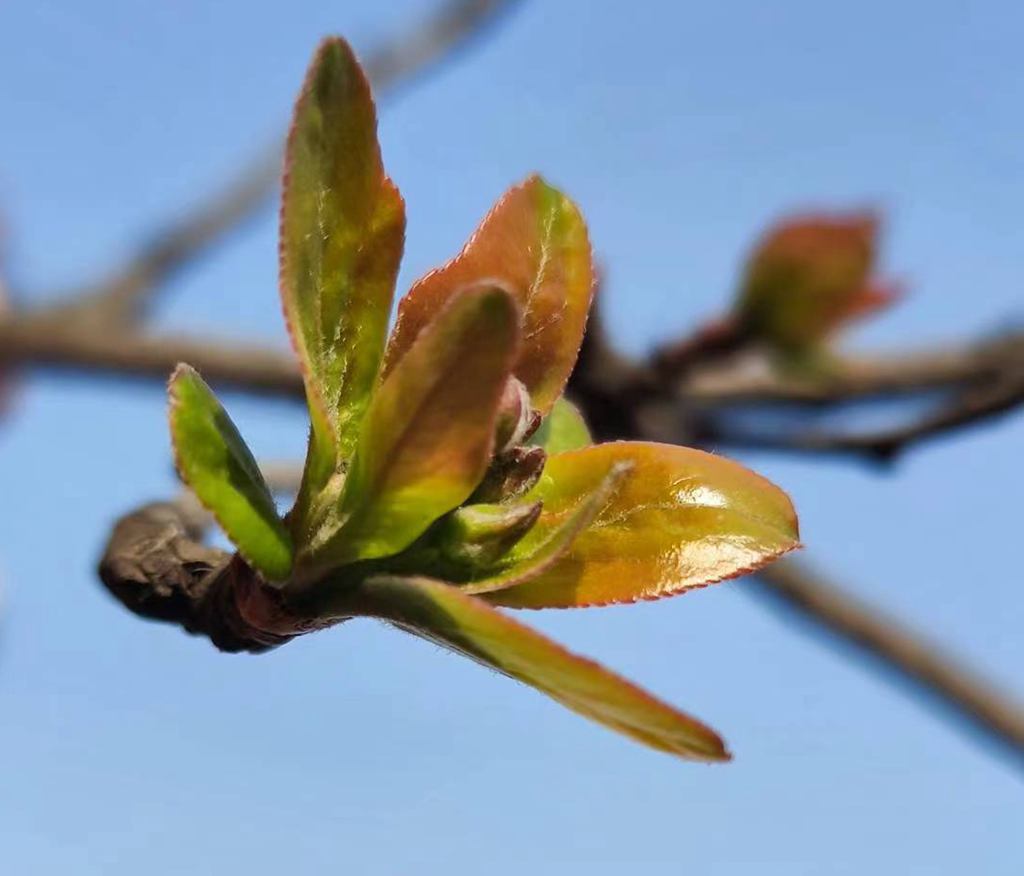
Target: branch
(855, 377)
(156, 565)
(897, 650)
(123, 295)
(23, 341)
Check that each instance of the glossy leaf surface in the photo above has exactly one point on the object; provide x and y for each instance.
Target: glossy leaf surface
(809, 276)
(535, 241)
(342, 233)
(213, 459)
(440, 613)
(428, 435)
(681, 519)
(563, 429)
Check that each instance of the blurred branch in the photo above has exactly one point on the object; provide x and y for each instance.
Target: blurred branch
(127, 353)
(969, 408)
(856, 377)
(896, 649)
(122, 296)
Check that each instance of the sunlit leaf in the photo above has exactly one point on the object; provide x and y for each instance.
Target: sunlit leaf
(535, 241)
(428, 435)
(562, 429)
(809, 276)
(681, 519)
(440, 613)
(342, 232)
(213, 459)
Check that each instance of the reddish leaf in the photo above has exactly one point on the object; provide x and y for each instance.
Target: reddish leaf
(808, 277)
(534, 240)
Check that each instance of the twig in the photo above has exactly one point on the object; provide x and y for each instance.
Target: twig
(969, 408)
(156, 565)
(896, 649)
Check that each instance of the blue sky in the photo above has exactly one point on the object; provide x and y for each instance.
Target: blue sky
(681, 129)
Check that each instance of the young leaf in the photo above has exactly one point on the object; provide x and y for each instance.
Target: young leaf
(215, 462)
(809, 276)
(534, 240)
(683, 518)
(527, 562)
(562, 429)
(428, 435)
(474, 537)
(342, 233)
(440, 613)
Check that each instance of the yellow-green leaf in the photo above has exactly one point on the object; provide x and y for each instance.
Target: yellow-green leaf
(535, 241)
(214, 461)
(440, 613)
(342, 233)
(682, 518)
(427, 437)
(562, 429)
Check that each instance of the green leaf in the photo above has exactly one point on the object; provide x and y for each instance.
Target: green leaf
(535, 241)
(342, 233)
(474, 537)
(429, 432)
(440, 613)
(529, 559)
(215, 462)
(682, 519)
(563, 429)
